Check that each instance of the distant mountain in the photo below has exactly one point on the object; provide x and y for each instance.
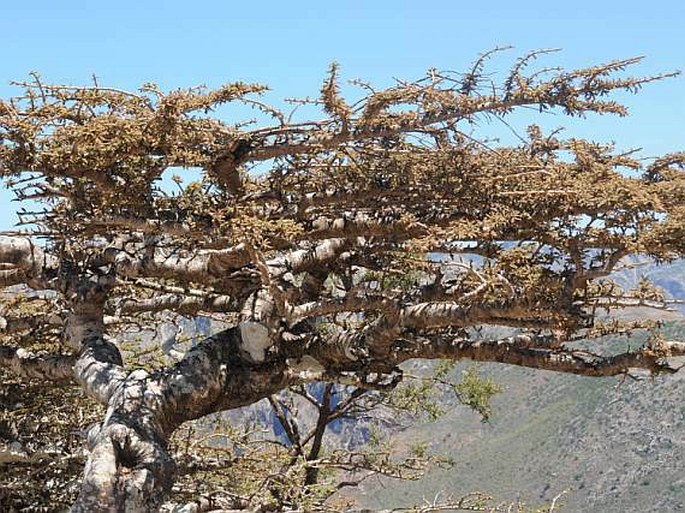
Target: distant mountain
(670, 277)
(615, 445)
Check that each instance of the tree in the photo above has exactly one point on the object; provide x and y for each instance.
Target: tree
(331, 251)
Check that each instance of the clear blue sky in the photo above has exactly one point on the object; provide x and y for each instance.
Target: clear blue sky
(289, 44)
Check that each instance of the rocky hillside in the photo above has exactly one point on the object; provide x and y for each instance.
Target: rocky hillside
(616, 446)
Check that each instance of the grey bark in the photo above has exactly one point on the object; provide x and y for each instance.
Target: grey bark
(130, 468)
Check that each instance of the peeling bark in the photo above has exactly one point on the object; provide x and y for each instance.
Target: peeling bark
(57, 369)
(10, 325)
(324, 264)
(130, 468)
(543, 352)
(182, 304)
(161, 263)
(27, 262)
(23, 253)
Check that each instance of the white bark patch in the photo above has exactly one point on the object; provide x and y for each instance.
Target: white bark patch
(92, 435)
(307, 368)
(349, 354)
(254, 339)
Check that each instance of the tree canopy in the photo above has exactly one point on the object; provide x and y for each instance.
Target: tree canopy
(329, 251)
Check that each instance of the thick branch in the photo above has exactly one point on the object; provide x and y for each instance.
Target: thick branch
(217, 375)
(179, 303)
(55, 368)
(22, 324)
(350, 303)
(534, 351)
(197, 267)
(130, 464)
(129, 468)
(322, 253)
(99, 364)
(451, 314)
(27, 259)
(99, 369)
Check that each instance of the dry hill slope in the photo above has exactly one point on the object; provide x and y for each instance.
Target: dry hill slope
(616, 446)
